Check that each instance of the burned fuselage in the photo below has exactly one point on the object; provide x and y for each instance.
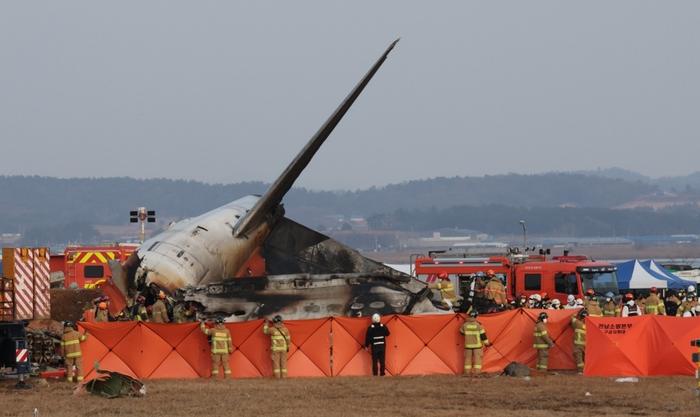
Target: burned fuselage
(211, 259)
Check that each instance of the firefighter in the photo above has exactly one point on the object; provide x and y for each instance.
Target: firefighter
(570, 302)
(542, 342)
(687, 305)
(102, 314)
(139, 311)
(495, 290)
(280, 341)
(594, 308)
(475, 340)
(88, 313)
(221, 346)
(610, 308)
(447, 290)
(587, 298)
(653, 304)
(70, 342)
(578, 322)
(375, 339)
(159, 311)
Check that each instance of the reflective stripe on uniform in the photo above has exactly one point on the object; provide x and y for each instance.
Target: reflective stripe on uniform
(70, 342)
(74, 355)
(540, 334)
(540, 346)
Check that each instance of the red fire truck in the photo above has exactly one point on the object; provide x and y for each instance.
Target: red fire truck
(88, 266)
(523, 274)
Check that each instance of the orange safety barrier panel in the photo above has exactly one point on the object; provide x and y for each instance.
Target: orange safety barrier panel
(418, 345)
(640, 346)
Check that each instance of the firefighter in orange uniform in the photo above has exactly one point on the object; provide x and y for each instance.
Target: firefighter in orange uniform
(221, 347)
(579, 326)
(280, 341)
(475, 340)
(447, 290)
(542, 342)
(654, 305)
(102, 315)
(159, 311)
(70, 342)
(495, 290)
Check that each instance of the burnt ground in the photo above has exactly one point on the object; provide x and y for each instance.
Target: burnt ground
(557, 395)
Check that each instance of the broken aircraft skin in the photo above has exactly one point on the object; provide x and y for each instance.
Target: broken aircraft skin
(306, 274)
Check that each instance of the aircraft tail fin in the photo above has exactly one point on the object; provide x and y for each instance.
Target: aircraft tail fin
(272, 198)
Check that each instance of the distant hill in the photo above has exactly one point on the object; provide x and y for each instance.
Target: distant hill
(679, 183)
(41, 205)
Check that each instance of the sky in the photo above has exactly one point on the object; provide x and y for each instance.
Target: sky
(224, 91)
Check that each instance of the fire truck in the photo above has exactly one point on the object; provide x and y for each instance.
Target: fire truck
(88, 266)
(522, 274)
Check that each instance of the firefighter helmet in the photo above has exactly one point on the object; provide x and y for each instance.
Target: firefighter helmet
(583, 314)
(490, 272)
(443, 275)
(543, 316)
(219, 320)
(473, 313)
(102, 305)
(629, 296)
(376, 318)
(653, 290)
(277, 319)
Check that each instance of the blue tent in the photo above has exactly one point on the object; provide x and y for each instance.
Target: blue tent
(633, 275)
(674, 282)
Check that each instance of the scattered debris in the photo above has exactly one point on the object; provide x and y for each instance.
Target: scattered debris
(112, 385)
(516, 369)
(627, 379)
(588, 394)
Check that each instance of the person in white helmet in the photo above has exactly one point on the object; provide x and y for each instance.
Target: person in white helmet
(570, 303)
(579, 303)
(631, 309)
(555, 305)
(375, 338)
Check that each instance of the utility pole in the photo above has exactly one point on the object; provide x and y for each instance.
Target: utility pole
(522, 223)
(143, 216)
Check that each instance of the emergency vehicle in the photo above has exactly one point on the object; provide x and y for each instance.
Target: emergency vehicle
(523, 274)
(88, 266)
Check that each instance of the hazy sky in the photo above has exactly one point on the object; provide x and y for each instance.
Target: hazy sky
(226, 91)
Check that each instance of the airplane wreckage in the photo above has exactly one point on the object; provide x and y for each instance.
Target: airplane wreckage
(245, 260)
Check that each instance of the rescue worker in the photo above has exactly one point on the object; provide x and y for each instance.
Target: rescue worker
(447, 290)
(495, 291)
(70, 343)
(570, 302)
(102, 314)
(579, 303)
(555, 304)
(593, 308)
(610, 308)
(687, 305)
(179, 312)
(653, 304)
(88, 313)
(159, 311)
(631, 309)
(139, 311)
(280, 341)
(475, 340)
(590, 293)
(522, 301)
(542, 342)
(672, 303)
(578, 323)
(375, 339)
(221, 346)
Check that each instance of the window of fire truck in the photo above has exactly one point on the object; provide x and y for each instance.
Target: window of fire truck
(94, 271)
(601, 282)
(566, 283)
(533, 282)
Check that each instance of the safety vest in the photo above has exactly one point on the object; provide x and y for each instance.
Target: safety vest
(654, 305)
(220, 340)
(279, 337)
(579, 331)
(71, 343)
(633, 311)
(474, 334)
(541, 338)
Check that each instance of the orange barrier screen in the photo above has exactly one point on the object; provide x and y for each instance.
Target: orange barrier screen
(418, 345)
(640, 346)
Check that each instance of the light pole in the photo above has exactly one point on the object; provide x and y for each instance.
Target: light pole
(522, 223)
(142, 215)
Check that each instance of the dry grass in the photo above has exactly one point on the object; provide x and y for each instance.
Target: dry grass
(560, 395)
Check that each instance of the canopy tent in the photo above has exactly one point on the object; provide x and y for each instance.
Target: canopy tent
(633, 275)
(674, 282)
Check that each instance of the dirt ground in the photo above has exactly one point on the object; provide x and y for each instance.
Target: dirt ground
(554, 395)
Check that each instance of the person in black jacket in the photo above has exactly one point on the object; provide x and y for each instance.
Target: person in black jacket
(376, 338)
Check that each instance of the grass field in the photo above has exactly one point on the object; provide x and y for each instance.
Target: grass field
(555, 395)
